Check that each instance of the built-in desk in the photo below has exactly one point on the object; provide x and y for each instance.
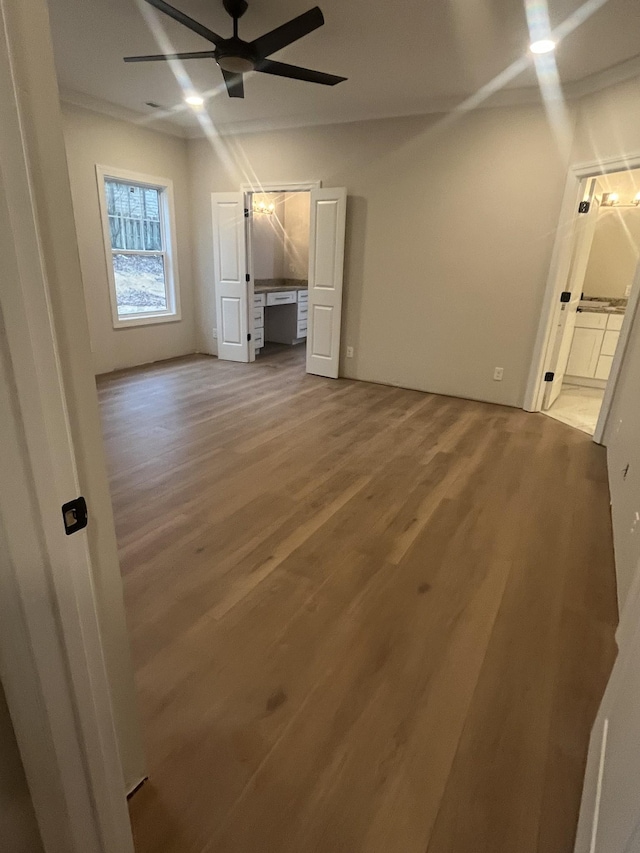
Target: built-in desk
(280, 311)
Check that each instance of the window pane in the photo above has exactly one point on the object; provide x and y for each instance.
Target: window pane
(134, 216)
(140, 284)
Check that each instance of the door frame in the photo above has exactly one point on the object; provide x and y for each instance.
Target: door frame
(51, 654)
(583, 235)
(257, 187)
(248, 189)
(558, 272)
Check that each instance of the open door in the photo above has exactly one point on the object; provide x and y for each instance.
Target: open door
(230, 271)
(570, 297)
(610, 811)
(326, 262)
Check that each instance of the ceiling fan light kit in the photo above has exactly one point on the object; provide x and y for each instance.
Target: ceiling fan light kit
(236, 57)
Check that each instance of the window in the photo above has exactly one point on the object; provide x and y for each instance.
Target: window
(137, 215)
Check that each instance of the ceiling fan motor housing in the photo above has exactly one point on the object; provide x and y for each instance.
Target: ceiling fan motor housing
(236, 56)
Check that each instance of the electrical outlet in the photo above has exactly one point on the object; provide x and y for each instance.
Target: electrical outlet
(497, 374)
(627, 291)
(349, 352)
(215, 334)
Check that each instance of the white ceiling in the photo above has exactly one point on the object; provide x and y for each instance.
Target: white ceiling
(401, 56)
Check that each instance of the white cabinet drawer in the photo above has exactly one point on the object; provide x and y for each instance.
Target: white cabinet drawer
(258, 318)
(303, 311)
(258, 338)
(281, 297)
(302, 329)
(610, 342)
(614, 322)
(303, 295)
(259, 300)
(585, 320)
(604, 366)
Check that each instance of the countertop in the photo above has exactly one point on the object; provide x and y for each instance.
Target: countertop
(602, 305)
(264, 285)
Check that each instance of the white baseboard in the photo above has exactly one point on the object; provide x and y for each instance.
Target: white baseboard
(585, 382)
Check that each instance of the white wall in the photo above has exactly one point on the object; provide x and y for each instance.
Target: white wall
(93, 139)
(449, 235)
(609, 127)
(614, 254)
(268, 238)
(18, 827)
(297, 207)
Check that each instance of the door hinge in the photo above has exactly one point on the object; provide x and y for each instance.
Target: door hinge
(247, 277)
(548, 377)
(246, 213)
(584, 207)
(74, 515)
(249, 336)
(565, 296)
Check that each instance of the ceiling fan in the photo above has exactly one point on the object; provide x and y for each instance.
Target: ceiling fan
(235, 56)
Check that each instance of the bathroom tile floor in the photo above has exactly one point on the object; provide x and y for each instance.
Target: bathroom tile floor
(578, 406)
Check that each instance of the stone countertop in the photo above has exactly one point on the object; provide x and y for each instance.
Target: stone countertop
(602, 305)
(262, 285)
(608, 309)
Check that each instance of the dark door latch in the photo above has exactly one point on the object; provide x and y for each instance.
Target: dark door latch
(74, 515)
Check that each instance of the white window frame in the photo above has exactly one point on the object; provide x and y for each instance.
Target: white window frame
(170, 253)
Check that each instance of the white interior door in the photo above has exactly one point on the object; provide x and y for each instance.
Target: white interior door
(326, 263)
(566, 320)
(610, 812)
(52, 657)
(230, 271)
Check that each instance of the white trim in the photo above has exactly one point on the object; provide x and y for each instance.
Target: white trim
(169, 253)
(598, 799)
(559, 268)
(165, 121)
(51, 656)
(585, 382)
(280, 188)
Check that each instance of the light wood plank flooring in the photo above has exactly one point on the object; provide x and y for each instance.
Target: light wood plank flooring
(364, 619)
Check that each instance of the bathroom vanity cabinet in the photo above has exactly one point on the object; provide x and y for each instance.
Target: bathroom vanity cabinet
(279, 314)
(594, 343)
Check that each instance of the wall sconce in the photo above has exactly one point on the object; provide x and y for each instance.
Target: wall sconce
(261, 206)
(613, 200)
(609, 199)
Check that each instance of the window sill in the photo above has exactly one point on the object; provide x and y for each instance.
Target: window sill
(146, 320)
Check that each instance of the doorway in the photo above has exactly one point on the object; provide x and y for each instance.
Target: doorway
(237, 302)
(591, 315)
(278, 249)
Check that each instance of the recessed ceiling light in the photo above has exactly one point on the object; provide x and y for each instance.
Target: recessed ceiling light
(542, 46)
(194, 100)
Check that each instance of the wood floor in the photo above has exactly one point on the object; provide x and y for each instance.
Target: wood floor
(364, 619)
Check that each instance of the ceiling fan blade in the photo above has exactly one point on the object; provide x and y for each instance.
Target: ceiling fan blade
(234, 84)
(281, 69)
(202, 54)
(288, 33)
(186, 21)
